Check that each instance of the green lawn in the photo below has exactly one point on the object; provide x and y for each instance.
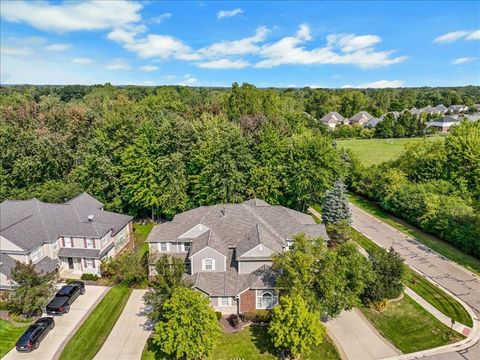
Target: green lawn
(9, 335)
(140, 232)
(251, 343)
(440, 246)
(411, 328)
(433, 294)
(375, 151)
(89, 339)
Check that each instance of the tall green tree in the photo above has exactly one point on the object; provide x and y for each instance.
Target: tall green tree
(295, 329)
(335, 206)
(189, 328)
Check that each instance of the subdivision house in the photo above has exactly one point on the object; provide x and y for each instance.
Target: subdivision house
(228, 250)
(70, 238)
(457, 109)
(443, 124)
(361, 118)
(333, 119)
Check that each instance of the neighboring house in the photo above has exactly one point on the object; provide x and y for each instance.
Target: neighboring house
(361, 118)
(228, 249)
(437, 110)
(372, 123)
(72, 237)
(332, 119)
(415, 112)
(457, 109)
(444, 123)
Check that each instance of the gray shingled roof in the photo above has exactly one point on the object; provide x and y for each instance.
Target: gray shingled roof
(79, 253)
(7, 263)
(362, 115)
(335, 116)
(30, 223)
(242, 226)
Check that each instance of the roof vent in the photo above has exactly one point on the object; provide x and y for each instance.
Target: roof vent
(90, 218)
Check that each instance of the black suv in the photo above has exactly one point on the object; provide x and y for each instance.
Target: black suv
(60, 304)
(35, 333)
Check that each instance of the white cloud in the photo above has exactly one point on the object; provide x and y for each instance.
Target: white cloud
(58, 47)
(118, 64)
(224, 64)
(457, 35)
(72, 16)
(149, 68)
(462, 60)
(149, 83)
(474, 35)
(380, 84)
(236, 47)
(159, 19)
(229, 13)
(83, 61)
(170, 77)
(340, 49)
(188, 80)
(16, 51)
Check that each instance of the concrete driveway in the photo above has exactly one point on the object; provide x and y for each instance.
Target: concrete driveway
(65, 326)
(358, 338)
(130, 333)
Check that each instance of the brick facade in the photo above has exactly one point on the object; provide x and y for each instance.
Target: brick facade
(248, 301)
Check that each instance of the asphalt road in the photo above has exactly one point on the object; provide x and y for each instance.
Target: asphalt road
(452, 277)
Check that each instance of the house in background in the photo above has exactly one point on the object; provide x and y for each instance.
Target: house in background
(228, 250)
(361, 118)
(70, 238)
(333, 119)
(443, 124)
(457, 109)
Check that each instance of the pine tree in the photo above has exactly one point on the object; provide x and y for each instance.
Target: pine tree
(335, 205)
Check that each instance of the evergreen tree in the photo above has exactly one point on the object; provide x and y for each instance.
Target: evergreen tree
(335, 205)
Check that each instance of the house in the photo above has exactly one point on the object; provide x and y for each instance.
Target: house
(437, 110)
(361, 118)
(415, 112)
(332, 119)
(372, 123)
(456, 109)
(70, 238)
(228, 250)
(444, 123)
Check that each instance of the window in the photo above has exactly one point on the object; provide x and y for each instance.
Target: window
(186, 247)
(224, 302)
(266, 300)
(104, 240)
(164, 247)
(208, 264)
(68, 241)
(36, 254)
(90, 244)
(89, 263)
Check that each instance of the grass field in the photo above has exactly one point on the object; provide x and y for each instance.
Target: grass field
(9, 335)
(251, 343)
(375, 151)
(140, 232)
(88, 340)
(433, 294)
(440, 246)
(411, 328)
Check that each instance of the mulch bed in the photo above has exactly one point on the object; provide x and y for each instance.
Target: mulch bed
(5, 316)
(229, 329)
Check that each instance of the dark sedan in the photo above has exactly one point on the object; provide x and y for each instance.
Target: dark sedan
(60, 304)
(31, 338)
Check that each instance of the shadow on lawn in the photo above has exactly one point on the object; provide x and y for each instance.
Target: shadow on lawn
(262, 340)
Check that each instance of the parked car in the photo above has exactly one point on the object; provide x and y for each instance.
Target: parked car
(60, 304)
(31, 338)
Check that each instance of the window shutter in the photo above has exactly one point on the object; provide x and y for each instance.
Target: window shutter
(93, 262)
(203, 264)
(63, 241)
(93, 241)
(85, 263)
(85, 243)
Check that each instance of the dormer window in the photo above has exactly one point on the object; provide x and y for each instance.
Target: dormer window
(208, 264)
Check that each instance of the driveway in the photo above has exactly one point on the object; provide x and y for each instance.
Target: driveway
(459, 281)
(358, 338)
(65, 326)
(130, 333)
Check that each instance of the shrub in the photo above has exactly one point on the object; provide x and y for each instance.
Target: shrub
(127, 268)
(219, 315)
(258, 316)
(233, 320)
(90, 277)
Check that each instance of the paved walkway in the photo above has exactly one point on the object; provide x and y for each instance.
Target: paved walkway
(358, 338)
(129, 335)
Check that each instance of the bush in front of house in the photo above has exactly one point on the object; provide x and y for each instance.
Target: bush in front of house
(258, 316)
(219, 315)
(89, 277)
(233, 320)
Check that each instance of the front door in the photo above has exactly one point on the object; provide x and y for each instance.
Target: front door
(70, 263)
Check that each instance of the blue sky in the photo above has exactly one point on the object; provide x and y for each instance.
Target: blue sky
(201, 43)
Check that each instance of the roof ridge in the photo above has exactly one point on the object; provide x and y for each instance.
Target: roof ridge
(263, 221)
(15, 223)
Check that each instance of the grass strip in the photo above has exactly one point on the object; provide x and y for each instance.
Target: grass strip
(9, 334)
(410, 328)
(442, 247)
(89, 338)
(140, 233)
